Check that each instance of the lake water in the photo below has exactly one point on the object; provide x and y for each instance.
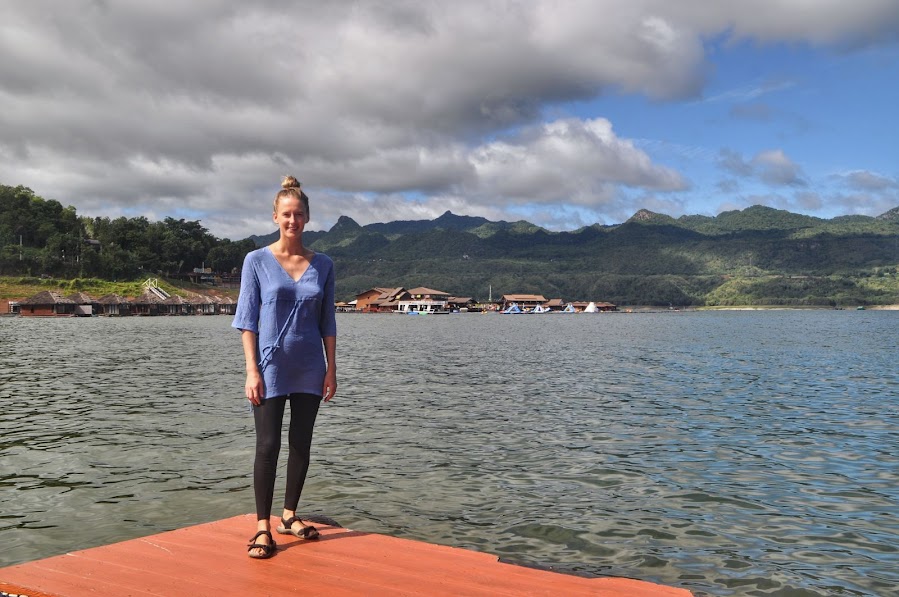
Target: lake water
(750, 453)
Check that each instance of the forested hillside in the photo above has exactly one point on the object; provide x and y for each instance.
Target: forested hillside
(41, 237)
(757, 256)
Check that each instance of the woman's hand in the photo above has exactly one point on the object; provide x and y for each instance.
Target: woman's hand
(329, 388)
(254, 388)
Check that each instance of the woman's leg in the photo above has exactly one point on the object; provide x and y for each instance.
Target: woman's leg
(268, 417)
(303, 410)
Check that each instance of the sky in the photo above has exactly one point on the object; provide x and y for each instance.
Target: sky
(564, 113)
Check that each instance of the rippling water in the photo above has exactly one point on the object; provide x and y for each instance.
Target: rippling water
(724, 452)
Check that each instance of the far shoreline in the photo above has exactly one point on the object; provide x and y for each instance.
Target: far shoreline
(798, 308)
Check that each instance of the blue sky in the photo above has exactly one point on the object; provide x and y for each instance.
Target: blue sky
(828, 112)
(562, 113)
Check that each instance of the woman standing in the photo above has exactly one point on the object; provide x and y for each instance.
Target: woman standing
(285, 313)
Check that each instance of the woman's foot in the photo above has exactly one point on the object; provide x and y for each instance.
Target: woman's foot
(262, 545)
(292, 525)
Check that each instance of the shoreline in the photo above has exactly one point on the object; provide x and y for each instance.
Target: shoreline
(798, 308)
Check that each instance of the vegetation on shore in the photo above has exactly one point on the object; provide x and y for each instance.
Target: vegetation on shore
(758, 256)
(40, 237)
(18, 287)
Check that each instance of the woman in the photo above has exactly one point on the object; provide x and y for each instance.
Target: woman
(286, 315)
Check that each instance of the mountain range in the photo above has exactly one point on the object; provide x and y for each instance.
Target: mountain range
(755, 256)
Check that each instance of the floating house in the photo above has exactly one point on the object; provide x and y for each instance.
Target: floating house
(343, 307)
(8, 307)
(556, 304)
(525, 302)
(380, 300)
(148, 303)
(176, 305)
(423, 300)
(226, 305)
(461, 303)
(47, 304)
(203, 305)
(84, 304)
(594, 307)
(113, 305)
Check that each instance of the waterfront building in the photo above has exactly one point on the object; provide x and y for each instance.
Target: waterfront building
(84, 304)
(113, 305)
(526, 302)
(47, 304)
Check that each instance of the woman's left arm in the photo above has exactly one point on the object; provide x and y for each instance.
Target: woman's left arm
(328, 327)
(329, 387)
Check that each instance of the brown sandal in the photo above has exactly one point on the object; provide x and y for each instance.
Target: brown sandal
(268, 550)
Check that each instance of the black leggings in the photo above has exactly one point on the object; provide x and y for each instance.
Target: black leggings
(268, 417)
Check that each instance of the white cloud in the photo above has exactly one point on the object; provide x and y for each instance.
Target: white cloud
(567, 160)
(775, 168)
(826, 204)
(385, 107)
(809, 201)
(753, 92)
(772, 166)
(821, 22)
(864, 180)
(733, 162)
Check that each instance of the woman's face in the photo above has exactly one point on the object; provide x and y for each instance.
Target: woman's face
(290, 216)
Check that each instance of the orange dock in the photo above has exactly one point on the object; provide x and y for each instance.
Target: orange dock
(210, 559)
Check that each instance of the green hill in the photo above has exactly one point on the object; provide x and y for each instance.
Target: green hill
(759, 256)
(755, 256)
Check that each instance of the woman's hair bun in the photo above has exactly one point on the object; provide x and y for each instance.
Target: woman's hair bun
(289, 182)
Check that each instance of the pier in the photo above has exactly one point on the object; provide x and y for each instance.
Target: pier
(211, 559)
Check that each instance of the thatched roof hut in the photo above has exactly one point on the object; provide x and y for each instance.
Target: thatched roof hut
(113, 304)
(47, 302)
(81, 298)
(203, 305)
(112, 299)
(84, 304)
(47, 297)
(177, 305)
(146, 298)
(146, 304)
(226, 305)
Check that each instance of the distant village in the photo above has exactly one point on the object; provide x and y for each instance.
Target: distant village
(154, 301)
(429, 301)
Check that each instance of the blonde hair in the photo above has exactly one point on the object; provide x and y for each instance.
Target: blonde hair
(291, 188)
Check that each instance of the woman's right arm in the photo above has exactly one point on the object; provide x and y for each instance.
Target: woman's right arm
(246, 319)
(254, 388)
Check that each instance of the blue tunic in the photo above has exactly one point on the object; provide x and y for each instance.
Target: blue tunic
(290, 318)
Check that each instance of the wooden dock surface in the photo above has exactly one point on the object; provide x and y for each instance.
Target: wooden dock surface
(211, 559)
